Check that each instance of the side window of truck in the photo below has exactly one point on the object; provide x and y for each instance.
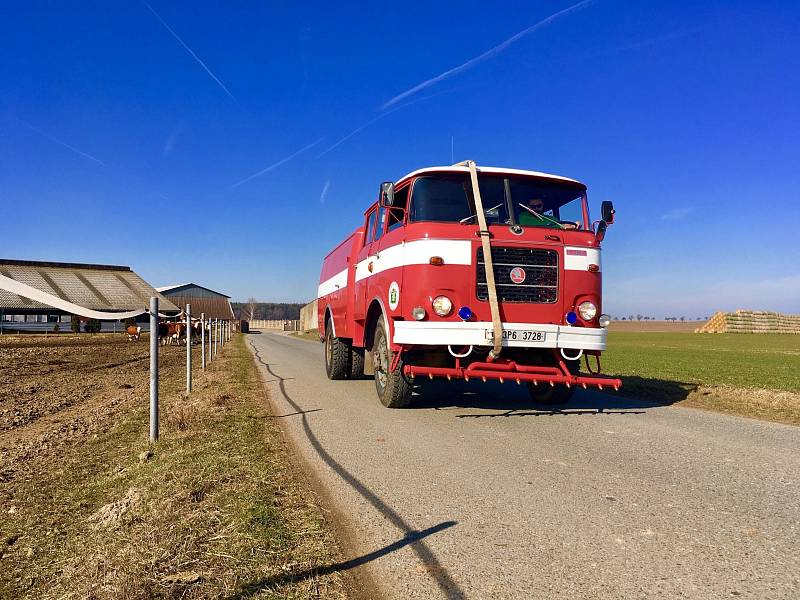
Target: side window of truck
(380, 223)
(370, 227)
(396, 216)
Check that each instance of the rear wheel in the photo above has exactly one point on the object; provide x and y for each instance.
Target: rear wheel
(394, 390)
(544, 393)
(356, 362)
(337, 355)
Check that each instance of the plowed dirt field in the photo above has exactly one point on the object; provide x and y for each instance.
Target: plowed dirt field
(61, 390)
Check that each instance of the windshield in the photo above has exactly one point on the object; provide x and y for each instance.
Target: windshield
(507, 199)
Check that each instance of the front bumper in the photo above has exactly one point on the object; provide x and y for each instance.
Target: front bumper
(474, 333)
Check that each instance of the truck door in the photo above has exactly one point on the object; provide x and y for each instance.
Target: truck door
(390, 254)
(365, 265)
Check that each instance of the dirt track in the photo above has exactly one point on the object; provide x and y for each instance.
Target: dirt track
(62, 390)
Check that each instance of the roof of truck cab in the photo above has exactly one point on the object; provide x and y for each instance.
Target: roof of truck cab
(498, 170)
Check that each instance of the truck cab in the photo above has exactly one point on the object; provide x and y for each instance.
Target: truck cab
(410, 288)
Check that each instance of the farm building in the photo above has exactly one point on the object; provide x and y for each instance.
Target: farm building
(105, 288)
(203, 300)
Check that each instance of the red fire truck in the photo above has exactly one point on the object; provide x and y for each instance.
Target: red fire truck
(474, 273)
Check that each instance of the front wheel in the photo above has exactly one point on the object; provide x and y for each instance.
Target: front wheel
(394, 390)
(544, 393)
(337, 356)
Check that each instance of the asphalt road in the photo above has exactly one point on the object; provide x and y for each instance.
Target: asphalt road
(475, 494)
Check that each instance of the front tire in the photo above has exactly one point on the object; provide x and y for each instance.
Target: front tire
(544, 393)
(394, 390)
(337, 355)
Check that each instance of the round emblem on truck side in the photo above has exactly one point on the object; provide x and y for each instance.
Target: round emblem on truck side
(394, 295)
(517, 275)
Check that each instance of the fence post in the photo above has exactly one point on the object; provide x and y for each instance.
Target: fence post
(188, 347)
(203, 340)
(153, 369)
(216, 336)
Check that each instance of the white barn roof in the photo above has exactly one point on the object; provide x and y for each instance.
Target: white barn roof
(110, 288)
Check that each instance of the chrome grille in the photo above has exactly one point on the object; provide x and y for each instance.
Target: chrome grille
(541, 275)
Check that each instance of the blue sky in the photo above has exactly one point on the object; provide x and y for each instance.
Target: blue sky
(233, 144)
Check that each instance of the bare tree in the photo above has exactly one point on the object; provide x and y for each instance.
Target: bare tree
(251, 308)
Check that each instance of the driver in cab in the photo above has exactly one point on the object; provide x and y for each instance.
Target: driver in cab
(533, 215)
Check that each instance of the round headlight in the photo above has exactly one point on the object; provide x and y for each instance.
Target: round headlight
(418, 313)
(604, 320)
(587, 310)
(442, 306)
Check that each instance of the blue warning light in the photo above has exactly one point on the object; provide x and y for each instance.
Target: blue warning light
(572, 318)
(465, 313)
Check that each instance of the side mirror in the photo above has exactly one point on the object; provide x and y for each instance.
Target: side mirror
(601, 231)
(387, 193)
(607, 211)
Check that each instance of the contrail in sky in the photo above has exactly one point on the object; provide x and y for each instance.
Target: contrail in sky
(190, 51)
(486, 55)
(277, 164)
(61, 143)
(324, 193)
(378, 118)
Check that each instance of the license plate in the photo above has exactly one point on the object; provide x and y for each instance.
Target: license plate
(519, 335)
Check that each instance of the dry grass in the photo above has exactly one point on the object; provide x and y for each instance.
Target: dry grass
(306, 335)
(767, 405)
(213, 510)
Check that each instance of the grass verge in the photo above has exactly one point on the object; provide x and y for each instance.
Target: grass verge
(754, 375)
(213, 510)
(306, 335)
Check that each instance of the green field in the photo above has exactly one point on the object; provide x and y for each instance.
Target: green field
(762, 361)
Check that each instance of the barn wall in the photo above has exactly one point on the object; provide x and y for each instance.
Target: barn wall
(215, 306)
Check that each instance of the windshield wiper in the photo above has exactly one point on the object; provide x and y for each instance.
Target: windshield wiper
(543, 217)
(486, 212)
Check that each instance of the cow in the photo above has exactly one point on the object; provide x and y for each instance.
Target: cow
(171, 333)
(197, 331)
(133, 331)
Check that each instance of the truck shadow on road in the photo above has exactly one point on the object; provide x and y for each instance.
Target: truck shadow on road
(413, 537)
(510, 400)
(249, 589)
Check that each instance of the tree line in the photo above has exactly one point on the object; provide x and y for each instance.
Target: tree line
(644, 318)
(252, 309)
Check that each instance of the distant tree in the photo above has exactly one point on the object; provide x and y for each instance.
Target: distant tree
(251, 309)
(75, 324)
(623, 318)
(91, 326)
(683, 319)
